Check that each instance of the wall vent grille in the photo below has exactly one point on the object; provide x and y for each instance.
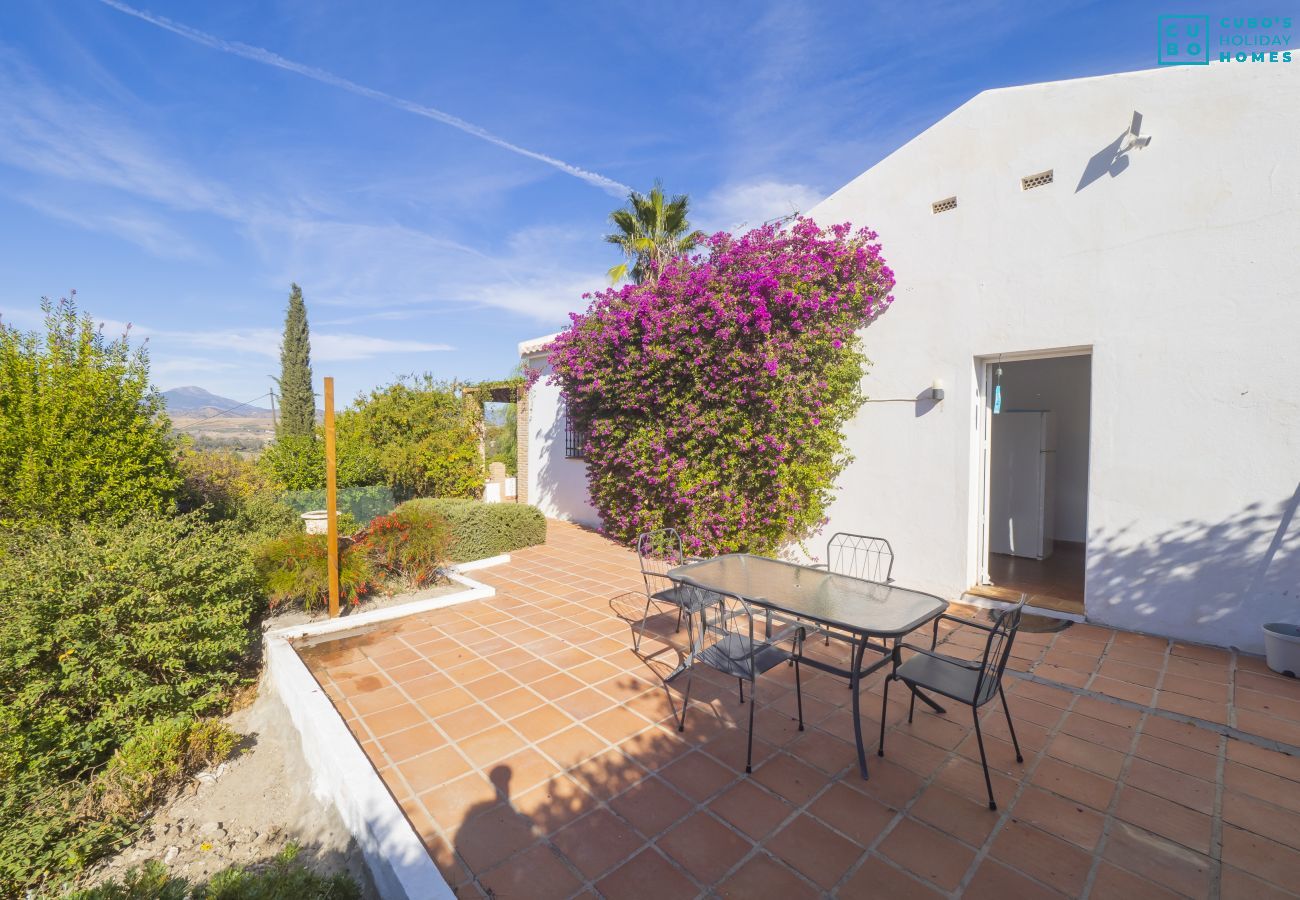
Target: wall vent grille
(943, 205)
(1029, 182)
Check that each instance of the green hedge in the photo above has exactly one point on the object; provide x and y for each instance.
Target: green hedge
(480, 530)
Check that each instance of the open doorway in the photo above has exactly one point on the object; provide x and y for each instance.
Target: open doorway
(1037, 427)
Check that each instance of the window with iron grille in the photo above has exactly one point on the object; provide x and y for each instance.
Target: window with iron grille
(575, 439)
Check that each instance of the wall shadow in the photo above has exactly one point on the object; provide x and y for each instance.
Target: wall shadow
(1203, 581)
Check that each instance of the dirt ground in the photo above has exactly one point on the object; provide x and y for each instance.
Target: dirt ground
(246, 811)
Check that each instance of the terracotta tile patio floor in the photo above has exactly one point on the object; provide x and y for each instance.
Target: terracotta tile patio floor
(535, 755)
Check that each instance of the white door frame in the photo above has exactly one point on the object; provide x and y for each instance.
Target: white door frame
(985, 364)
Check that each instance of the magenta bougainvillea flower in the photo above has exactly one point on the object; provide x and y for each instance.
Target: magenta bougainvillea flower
(714, 400)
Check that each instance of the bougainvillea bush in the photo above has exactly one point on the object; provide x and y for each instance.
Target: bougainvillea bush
(714, 400)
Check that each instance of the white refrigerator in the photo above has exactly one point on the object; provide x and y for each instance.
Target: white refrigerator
(1021, 481)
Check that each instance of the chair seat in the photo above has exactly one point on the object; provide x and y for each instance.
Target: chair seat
(730, 656)
(677, 594)
(688, 598)
(955, 678)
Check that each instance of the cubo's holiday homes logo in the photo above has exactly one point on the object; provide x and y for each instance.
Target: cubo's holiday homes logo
(1187, 40)
(1184, 41)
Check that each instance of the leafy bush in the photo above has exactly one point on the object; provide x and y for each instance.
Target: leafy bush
(295, 462)
(420, 434)
(480, 530)
(83, 435)
(222, 481)
(714, 400)
(106, 630)
(283, 880)
(412, 544)
(294, 568)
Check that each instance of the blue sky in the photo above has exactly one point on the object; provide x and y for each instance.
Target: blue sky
(437, 176)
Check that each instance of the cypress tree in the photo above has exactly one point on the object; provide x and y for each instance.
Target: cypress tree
(297, 404)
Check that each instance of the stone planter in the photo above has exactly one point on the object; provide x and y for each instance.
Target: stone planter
(316, 521)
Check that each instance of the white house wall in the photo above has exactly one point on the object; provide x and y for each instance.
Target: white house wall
(1178, 266)
(556, 485)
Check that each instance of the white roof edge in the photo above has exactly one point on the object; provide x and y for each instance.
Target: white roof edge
(537, 344)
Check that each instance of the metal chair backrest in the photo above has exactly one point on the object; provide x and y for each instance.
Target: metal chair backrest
(860, 556)
(997, 650)
(726, 614)
(659, 551)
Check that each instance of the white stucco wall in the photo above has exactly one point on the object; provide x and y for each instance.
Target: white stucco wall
(1178, 266)
(556, 485)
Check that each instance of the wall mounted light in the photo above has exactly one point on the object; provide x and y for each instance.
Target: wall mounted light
(936, 390)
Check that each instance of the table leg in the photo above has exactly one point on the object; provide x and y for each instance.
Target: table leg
(855, 682)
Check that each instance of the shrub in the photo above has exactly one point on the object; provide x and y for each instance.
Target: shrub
(480, 530)
(219, 480)
(294, 568)
(294, 462)
(155, 759)
(412, 544)
(106, 628)
(83, 435)
(106, 631)
(714, 400)
(420, 434)
(283, 880)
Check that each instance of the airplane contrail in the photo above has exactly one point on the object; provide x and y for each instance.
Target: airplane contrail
(266, 57)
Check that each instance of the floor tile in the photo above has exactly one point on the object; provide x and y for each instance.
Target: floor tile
(704, 847)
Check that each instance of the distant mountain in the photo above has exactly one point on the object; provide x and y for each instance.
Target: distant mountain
(195, 401)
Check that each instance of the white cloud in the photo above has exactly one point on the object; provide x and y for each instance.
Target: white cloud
(373, 269)
(743, 205)
(48, 133)
(151, 233)
(266, 57)
(265, 342)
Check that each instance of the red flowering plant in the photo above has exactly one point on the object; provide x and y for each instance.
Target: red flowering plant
(714, 399)
(412, 544)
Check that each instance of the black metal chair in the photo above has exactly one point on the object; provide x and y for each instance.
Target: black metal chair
(860, 556)
(972, 682)
(659, 552)
(726, 643)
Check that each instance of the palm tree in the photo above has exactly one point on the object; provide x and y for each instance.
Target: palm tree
(650, 231)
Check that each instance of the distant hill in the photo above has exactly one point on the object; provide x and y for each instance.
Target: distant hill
(192, 402)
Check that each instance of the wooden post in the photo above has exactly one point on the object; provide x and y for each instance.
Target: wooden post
(331, 499)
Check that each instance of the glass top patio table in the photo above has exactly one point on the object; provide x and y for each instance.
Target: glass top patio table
(865, 609)
(840, 601)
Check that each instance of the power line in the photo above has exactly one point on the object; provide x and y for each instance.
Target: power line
(224, 412)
